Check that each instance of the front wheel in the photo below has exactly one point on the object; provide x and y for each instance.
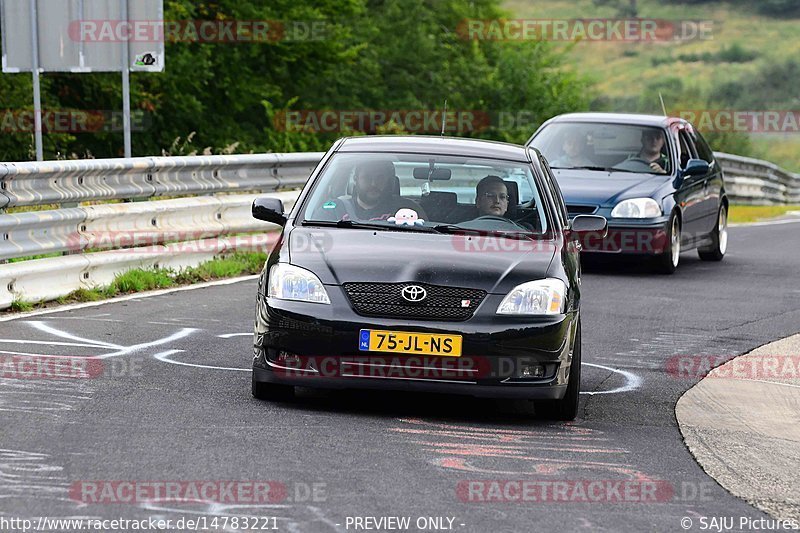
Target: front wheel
(567, 407)
(719, 238)
(667, 262)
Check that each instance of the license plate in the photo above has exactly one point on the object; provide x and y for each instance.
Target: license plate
(376, 340)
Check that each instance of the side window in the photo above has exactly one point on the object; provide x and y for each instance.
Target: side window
(555, 192)
(703, 150)
(687, 148)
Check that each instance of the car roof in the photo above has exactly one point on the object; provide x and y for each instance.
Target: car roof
(618, 118)
(428, 144)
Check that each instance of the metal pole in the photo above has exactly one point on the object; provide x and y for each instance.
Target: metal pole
(37, 94)
(126, 86)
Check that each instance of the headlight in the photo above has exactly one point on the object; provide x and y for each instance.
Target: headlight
(637, 208)
(288, 282)
(541, 297)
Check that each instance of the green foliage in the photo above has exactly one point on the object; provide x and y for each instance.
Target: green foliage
(140, 280)
(773, 8)
(371, 55)
(82, 295)
(20, 306)
(237, 264)
(624, 8)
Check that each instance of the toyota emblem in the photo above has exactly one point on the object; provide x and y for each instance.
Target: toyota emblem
(414, 293)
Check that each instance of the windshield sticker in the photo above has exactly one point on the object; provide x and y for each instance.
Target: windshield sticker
(406, 217)
(329, 205)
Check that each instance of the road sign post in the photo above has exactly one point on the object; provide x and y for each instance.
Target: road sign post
(37, 92)
(60, 39)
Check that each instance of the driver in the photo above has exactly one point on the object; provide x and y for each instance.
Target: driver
(374, 194)
(652, 144)
(491, 197)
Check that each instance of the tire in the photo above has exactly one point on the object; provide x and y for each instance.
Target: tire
(566, 408)
(667, 262)
(263, 390)
(719, 238)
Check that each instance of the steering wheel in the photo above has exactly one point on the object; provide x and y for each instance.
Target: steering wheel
(495, 218)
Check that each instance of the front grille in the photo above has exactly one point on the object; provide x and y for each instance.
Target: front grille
(384, 300)
(575, 210)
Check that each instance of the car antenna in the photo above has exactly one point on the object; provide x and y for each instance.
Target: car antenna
(663, 107)
(444, 117)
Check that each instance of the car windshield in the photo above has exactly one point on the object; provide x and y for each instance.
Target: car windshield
(428, 193)
(605, 147)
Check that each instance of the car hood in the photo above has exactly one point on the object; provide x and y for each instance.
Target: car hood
(494, 264)
(606, 188)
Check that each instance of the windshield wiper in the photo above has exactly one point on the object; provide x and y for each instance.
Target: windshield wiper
(365, 225)
(591, 167)
(452, 228)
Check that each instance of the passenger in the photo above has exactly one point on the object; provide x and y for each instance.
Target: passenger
(574, 148)
(491, 197)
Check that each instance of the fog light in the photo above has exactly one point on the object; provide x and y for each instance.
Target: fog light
(531, 371)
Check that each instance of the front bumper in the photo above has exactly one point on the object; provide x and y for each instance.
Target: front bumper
(648, 237)
(312, 345)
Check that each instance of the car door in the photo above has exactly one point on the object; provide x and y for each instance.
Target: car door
(713, 185)
(572, 246)
(690, 194)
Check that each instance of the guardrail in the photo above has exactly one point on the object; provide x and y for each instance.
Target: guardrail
(756, 182)
(101, 241)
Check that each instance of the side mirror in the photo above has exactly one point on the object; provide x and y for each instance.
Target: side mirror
(696, 167)
(269, 210)
(585, 224)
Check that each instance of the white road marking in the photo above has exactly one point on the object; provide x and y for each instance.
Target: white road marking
(53, 343)
(41, 326)
(182, 334)
(165, 357)
(231, 335)
(632, 381)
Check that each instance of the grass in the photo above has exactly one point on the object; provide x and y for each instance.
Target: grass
(19, 306)
(753, 213)
(621, 70)
(32, 257)
(743, 42)
(140, 280)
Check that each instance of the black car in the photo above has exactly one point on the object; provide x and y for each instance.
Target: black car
(424, 263)
(653, 178)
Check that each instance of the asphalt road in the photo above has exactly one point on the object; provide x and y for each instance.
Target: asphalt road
(173, 403)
